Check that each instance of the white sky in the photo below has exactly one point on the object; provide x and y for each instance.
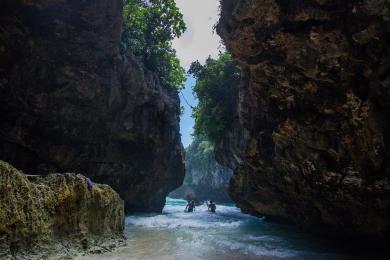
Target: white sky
(199, 41)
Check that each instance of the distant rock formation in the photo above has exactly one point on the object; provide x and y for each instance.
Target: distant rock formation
(53, 214)
(315, 101)
(71, 101)
(205, 178)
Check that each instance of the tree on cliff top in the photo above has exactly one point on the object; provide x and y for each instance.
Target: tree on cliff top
(149, 28)
(216, 89)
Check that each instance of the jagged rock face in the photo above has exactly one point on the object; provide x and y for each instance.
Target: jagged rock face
(205, 178)
(36, 214)
(316, 101)
(71, 101)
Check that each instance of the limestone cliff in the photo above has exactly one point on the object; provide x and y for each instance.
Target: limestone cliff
(205, 178)
(316, 103)
(71, 100)
(37, 215)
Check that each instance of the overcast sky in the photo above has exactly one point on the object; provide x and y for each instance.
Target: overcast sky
(197, 43)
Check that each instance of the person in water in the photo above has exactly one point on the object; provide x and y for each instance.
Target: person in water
(211, 206)
(190, 206)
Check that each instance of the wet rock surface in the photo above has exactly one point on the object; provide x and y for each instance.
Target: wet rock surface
(56, 215)
(315, 101)
(71, 100)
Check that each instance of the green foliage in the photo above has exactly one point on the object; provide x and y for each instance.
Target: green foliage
(216, 89)
(199, 150)
(149, 28)
(198, 154)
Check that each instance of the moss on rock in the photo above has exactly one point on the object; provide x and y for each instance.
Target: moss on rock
(51, 209)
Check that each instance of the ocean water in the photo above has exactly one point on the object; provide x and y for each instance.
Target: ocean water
(227, 234)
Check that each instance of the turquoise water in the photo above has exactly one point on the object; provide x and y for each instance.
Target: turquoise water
(228, 234)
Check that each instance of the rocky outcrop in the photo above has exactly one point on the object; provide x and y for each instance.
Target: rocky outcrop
(41, 216)
(316, 102)
(70, 101)
(205, 178)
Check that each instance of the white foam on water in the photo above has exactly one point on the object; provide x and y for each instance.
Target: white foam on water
(196, 246)
(249, 249)
(189, 220)
(175, 217)
(227, 234)
(264, 238)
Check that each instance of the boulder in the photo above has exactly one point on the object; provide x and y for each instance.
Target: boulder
(40, 216)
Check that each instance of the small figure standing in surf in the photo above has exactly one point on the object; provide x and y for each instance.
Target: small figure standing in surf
(190, 206)
(211, 206)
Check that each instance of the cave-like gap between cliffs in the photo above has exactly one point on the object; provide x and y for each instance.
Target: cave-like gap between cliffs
(230, 232)
(194, 129)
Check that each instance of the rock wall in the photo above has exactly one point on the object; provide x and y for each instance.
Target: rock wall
(71, 101)
(205, 178)
(315, 100)
(36, 215)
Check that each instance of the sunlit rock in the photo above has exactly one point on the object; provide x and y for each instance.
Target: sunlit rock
(55, 215)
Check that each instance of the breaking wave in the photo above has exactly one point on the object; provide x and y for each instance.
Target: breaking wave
(227, 234)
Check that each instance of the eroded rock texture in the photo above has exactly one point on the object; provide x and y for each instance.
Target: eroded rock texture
(36, 215)
(71, 101)
(316, 102)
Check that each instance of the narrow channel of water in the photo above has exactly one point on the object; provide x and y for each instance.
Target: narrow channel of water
(228, 234)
